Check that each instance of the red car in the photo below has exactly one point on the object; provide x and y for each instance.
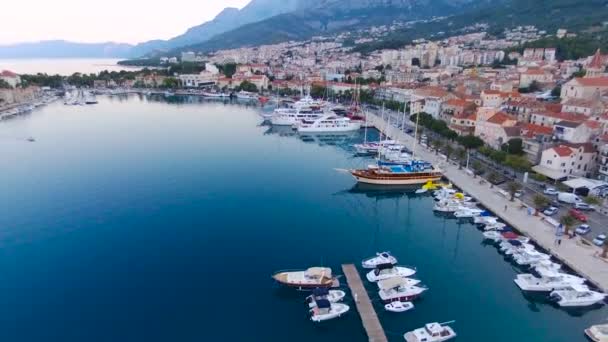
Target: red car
(577, 214)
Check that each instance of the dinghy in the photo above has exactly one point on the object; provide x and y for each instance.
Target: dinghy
(399, 306)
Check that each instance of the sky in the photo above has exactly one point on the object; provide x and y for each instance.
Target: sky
(123, 21)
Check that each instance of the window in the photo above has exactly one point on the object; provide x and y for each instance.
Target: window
(563, 164)
(549, 162)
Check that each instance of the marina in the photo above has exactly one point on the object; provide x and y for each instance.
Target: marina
(182, 213)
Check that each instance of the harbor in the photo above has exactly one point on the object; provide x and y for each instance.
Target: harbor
(182, 214)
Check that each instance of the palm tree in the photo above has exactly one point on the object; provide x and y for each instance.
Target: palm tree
(437, 144)
(592, 200)
(477, 167)
(513, 187)
(540, 201)
(460, 154)
(567, 221)
(448, 151)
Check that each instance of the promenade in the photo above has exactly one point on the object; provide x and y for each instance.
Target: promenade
(581, 258)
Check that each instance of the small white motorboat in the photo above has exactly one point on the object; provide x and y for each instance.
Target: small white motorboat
(432, 332)
(379, 259)
(334, 296)
(422, 191)
(326, 310)
(386, 271)
(391, 282)
(577, 295)
(597, 333)
(399, 306)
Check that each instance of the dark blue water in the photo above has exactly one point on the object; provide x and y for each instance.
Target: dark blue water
(137, 220)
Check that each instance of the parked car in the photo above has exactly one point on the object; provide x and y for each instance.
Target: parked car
(583, 229)
(518, 193)
(577, 214)
(550, 211)
(555, 203)
(583, 206)
(599, 240)
(568, 197)
(551, 192)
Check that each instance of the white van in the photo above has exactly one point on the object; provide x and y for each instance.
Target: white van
(568, 197)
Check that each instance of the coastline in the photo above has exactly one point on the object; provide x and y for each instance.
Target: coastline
(580, 259)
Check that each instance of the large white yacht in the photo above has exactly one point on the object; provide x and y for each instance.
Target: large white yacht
(432, 332)
(311, 278)
(386, 271)
(328, 123)
(397, 289)
(293, 116)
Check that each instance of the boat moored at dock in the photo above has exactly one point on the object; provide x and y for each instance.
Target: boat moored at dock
(307, 279)
(379, 259)
(432, 332)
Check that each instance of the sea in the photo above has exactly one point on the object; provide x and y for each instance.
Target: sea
(154, 219)
(62, 66)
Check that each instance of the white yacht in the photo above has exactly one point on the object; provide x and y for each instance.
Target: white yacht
(485, 220)
(386, 271)
(546, 265)
(432, 332)
(597, 333)
(398, 290)
(498, 226)
(527, 257)
(576, 296)
(399, 306)
(547, 282)
(379, 259)
(290, 117)
(307, 279)
(328, 123)
(90, 98)
(325, 310)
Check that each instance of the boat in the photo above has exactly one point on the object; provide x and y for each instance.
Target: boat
(527, 257)
(245, 95)
(214, 95)
(386, 271)
(498, 226)
(292, 117)
(379, 259)
(432, 332)
(546, 281)
(399, 306)
(597, 333)
(90, 98)
(334, 296)
(545, 265)
(395, 175)
(397, 290)
(328, 123)
(31, 139)
(326, 310)
(577, 295)
(468, 212)
(375, 147)
(390, 282)
(307, 279)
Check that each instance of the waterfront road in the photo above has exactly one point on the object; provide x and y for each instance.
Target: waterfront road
(581, 257)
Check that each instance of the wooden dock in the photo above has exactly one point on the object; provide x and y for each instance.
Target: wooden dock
(371, 323)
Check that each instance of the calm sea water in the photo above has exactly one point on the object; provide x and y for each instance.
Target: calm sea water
(61, 66)
(140, 220)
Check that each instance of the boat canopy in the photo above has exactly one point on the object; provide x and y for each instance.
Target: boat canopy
(384, 266)
(510, 235)
(515, 242)
(323, 304)
(391, 283)
(318, 292)
(319, 272)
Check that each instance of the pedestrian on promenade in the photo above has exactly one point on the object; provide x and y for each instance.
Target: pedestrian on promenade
(356, 298)
(506, 207)
(559, 242)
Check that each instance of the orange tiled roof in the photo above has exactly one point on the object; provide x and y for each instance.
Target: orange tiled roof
(562, 150)
(593, 81)
(499, 118)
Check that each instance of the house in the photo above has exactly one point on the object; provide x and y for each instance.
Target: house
(596, 67)
(152, 80)
(188, 57)
(202, 79)
(574, 132)
(429, 100)
(10, 77)
(567, 160)
(524, 107)
(584, 87)
(497, 129)
(534, 75)
(603, 159)
(100, 83)
(457, 107)
(535, 140)
(463, 123)
(588, 107)
(493, 98)
(549, 118)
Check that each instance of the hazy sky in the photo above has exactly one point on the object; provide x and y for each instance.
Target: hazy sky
(127, 21)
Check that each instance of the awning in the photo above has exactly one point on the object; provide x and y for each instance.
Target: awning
(577, 183)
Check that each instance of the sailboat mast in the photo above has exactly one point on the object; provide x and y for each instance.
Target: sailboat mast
(415, 136)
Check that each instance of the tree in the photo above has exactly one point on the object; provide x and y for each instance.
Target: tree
(461, 155)
(518, 163)
(557, 91)
(513, 187)
(470, 142)
(580, 73)
(170, 82)
(477, 168)
(538, 177)
(515, 146)
(493, 178)
(449, 150)
(248, 86)
(592, 200)
(229, 69)
(437, 144)
(568, 222)
(540, 202)
(534, 87)
(5, 85)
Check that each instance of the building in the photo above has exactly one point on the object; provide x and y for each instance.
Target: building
(603, 159)
(10, 77)
(463, 123)
(534, 75)
(535, 140)
(573, 132)
(549, 118)
(202, 79)
(587, 107)
(497, 129)
(188, 57)
(567, 160)
(584, 87)
(429, 100)
(596, 67)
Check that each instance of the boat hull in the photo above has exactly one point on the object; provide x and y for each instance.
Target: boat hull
(370, 177)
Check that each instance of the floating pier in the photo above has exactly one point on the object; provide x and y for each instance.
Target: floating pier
(370, 320)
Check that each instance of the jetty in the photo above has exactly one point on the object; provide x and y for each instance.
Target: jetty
(366, 310)
(583, 259)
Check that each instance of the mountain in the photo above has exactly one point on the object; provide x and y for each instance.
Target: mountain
(314, 17)
(228, 19)
(65, 49)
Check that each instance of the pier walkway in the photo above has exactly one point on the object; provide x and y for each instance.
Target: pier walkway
(582, 259)
(371, 323)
